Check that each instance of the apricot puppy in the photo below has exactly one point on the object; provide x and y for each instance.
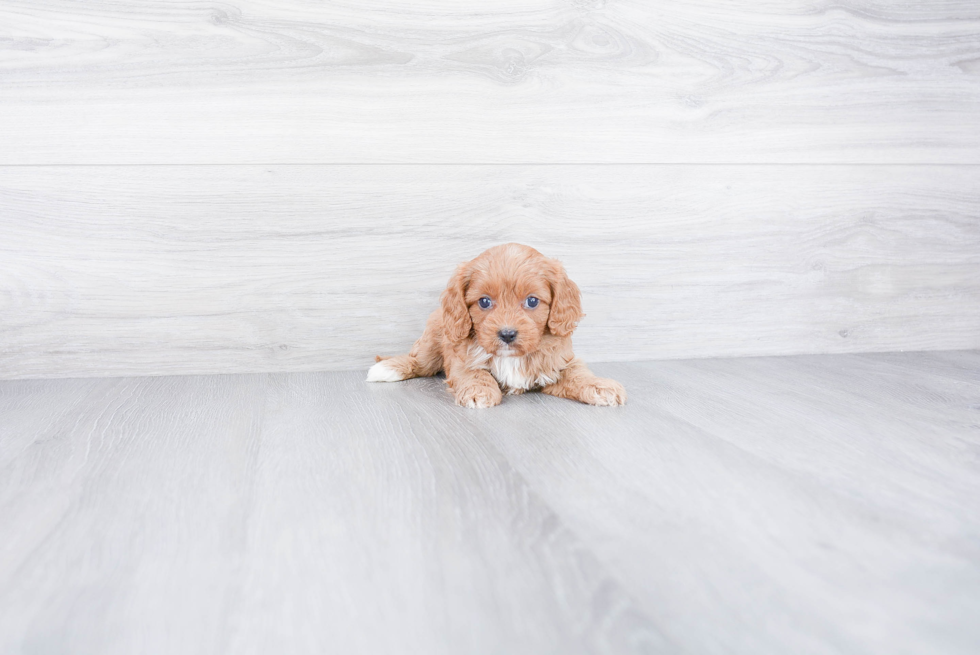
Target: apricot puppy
(504, 326)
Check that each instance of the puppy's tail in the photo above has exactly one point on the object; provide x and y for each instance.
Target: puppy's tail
(394, 369)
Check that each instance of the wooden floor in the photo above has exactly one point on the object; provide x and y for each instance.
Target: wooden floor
(812, 504)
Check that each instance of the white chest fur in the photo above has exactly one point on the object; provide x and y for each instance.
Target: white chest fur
(510, 372)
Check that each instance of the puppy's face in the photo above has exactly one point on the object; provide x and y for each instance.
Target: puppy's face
(509, 310)
(508, 298)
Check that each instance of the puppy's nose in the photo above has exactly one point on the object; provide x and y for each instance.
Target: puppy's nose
(507, 335)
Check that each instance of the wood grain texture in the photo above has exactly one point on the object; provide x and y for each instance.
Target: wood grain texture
(166, 270)
(147, 483)
(584, 81)
(813, 504)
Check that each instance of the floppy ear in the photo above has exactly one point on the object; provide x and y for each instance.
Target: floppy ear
(456, 322)
(566, 303)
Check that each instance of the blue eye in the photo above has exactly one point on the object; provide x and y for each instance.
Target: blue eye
(484, 302)
(531, 302)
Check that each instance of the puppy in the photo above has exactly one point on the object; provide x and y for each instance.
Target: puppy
(504, 326)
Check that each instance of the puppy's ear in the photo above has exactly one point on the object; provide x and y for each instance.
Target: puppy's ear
(456, 322)
(566, 302)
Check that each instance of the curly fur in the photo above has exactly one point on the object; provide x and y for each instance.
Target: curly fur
(463, 340)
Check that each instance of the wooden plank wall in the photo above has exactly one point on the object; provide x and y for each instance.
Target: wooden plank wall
(285, 186)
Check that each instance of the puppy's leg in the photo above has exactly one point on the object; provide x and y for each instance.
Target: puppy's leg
(467, 377)
(474, 388)
(577, 382)
(424, 360)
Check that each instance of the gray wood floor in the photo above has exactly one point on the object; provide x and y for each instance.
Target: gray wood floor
(810, 504)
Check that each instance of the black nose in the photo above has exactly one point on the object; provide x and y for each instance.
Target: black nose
(507, 335)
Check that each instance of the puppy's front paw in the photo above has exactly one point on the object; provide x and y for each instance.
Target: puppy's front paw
(478, 396)
(604, 392)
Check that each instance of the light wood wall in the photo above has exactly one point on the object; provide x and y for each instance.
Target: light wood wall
(271, 186)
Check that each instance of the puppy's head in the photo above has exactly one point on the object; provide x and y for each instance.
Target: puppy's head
(508, 298)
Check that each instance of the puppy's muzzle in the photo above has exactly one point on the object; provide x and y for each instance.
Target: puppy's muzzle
(507, 335)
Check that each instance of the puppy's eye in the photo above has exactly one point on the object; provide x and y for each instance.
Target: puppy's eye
(531, 302)
(484, 302)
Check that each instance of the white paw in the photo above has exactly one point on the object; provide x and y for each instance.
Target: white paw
(384, 372)
(605, 393)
